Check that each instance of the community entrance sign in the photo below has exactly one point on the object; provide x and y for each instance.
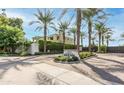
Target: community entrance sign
(34, 48)
(71, 52)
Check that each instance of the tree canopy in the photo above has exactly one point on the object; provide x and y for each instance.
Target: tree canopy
(11, 33)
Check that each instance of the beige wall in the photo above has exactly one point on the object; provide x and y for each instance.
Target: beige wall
(57, 38)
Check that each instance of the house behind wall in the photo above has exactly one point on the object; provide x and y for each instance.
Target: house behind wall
(56, 38)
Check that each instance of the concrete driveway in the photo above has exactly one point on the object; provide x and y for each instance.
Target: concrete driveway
(33, 70)
(107, 68)
(103, 69)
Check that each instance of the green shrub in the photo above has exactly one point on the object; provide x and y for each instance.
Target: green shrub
(38, 53)
(85, 54)
(102, 49)
(23, 53)
(54, 46)
(69, 46)
(61, 58)
(2, 52)
(66, 58)
(75, 58)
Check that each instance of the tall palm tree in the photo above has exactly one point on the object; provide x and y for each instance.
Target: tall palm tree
(99, 27)
(108, 35)
(82, 35)
(73, 31)
(93, 38)
(79, 16)
(63, 26)
(44, 20)
(88, 15)
(105, 31)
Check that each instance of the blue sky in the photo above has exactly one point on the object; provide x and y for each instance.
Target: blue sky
(116, 21)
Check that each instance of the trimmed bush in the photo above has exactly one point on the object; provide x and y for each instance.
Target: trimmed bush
(85, 54)
(55, 46)
(102, 49)
(61, 58)
(69, 46)
(23, 53)
(66, 58)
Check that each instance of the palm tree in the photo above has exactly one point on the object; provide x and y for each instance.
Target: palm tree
(88, 15)
(73, 31)
(79, 16)
(105, 31)
(63, 26)
(82, 35)
(93, 37)
(108, 35)
(99, 27)
(44, 19)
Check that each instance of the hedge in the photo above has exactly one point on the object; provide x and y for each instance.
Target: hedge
(102, 49)
(54, 46)
(86, 54)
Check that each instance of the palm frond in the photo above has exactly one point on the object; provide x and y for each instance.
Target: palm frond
(34, 22)
(63, 13)
(39, 28)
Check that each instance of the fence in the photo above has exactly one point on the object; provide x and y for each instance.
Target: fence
(94, 49)
(116, 49)
(111, 49)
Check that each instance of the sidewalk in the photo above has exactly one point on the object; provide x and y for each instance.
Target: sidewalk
(43, 74)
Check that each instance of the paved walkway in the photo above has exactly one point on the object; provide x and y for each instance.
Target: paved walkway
(105, 68)
(20, 70)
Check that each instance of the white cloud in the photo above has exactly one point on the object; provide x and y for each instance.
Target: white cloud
(13, 14)
(26, 18)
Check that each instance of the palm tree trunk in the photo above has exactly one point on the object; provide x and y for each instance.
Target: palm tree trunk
(81, 40)
(99, 42)
(102, 40)
(59, 36)
(89, 32)
(107, 42)
(45, 41)
(93, 42)
(78, 28)
(63, 39)
(74, 39)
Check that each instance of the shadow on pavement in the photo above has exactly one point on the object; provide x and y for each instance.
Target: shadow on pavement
(5, 66)
(110, 60)
(105, 75)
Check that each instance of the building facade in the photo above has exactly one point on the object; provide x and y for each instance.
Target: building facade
(56, 38)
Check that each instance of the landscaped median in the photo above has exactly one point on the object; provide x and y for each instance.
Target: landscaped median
(72, 58)
(66, 58)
